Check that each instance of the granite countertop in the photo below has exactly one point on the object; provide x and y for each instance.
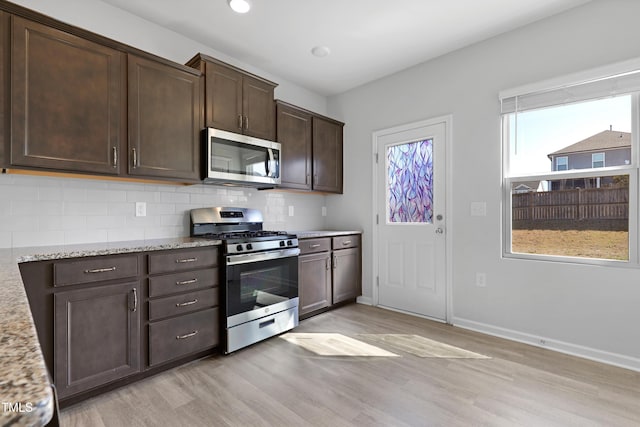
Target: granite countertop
(25, 392)
(324, 233)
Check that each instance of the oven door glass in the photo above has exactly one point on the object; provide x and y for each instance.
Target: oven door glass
(259, 284)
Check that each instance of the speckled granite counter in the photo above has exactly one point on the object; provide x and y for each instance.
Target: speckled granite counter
(323, 233)
(25, 393)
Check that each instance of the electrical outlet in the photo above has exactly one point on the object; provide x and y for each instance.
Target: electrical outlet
(481, 280)
(141, 209)
(324, 211)
(290, 210)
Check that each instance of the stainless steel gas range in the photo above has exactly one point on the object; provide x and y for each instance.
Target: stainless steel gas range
(260, 274)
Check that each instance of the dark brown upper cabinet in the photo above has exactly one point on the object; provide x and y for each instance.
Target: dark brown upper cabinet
(236, 101)
(67, 101)
(165, 120)
(311, 149)
(293, 132)
(327, 155)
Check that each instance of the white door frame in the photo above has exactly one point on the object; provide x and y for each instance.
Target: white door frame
(448, 122)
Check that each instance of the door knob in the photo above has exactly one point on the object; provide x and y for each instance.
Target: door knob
(439, 230)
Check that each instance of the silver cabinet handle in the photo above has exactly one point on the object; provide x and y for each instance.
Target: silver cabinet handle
(246, 122)
(185, 260)
(335, 262)
(326, 263)
(186, 282)
(184, 304)
(346, 242)
(100, 270)
(240, 121)
(135, 300)
(317, 245)
(135, 158)
(189, 335)
(115, 157)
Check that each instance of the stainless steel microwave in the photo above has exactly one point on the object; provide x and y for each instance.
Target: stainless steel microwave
(234, 159)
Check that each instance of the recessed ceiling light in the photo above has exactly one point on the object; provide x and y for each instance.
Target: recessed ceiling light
(239, 6)
(320, 51)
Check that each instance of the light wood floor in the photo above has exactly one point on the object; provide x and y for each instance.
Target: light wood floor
(276, 383)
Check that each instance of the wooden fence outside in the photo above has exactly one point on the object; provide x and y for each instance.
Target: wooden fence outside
(577, 205)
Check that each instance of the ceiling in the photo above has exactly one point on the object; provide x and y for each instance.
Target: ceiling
(368, 39)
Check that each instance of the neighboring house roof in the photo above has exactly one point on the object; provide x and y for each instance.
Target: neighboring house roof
(527, 185)
(607, 140)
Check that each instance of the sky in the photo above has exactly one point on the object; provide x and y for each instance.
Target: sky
(543, 131)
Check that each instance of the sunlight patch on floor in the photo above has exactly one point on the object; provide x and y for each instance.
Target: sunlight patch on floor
(421, 346)
(328, 344)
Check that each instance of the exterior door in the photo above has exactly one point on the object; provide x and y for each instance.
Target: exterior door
(410, 208)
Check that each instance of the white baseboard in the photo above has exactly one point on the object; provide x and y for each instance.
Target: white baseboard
(614, 359)
(364, 300)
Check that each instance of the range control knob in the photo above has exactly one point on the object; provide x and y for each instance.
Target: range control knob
(239, 248)
(282, 243)
(249, 246)
(289, 243)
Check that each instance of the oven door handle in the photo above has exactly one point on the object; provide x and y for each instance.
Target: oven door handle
(262, 256)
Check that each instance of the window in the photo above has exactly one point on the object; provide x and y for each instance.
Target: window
(562, 163)
(585, 214)
(597, 160)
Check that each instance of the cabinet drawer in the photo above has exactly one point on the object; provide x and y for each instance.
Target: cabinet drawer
(343, 242)
(189, 259)
(94, 269)
(182, 282)
(309, 246)
(183, 303)
(172, 338)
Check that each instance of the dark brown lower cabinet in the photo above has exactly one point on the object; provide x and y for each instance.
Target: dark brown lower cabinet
(314, 280)
(97, 336)
(329, 272)
(346, 274)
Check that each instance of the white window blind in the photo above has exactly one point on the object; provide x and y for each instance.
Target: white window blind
(575, 92)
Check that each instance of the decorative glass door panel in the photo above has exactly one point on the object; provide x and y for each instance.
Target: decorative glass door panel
(410, 182)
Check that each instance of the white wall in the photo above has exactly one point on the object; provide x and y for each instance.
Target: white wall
(37, 211)
(593, 311)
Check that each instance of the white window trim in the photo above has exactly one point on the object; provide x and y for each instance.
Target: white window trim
(603, 160)
(566, 163)
(632, 170)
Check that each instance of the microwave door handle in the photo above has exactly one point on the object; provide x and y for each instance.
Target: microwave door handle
(270, 162)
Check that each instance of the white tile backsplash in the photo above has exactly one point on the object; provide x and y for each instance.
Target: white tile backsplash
(40, 210)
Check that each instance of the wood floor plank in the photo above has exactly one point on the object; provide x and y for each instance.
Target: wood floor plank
(277, 383)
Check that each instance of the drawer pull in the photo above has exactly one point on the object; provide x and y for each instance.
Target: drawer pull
(182, 261)
(186, 282)
(185, 336)
(267, 323)
(184, 304)
(346, 242)
(135, 300)
(100, 270)
(317, 245)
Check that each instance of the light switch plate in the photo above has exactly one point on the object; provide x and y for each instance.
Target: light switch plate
(324, 211)
(478, 209)
(141, 209)
(290, 210)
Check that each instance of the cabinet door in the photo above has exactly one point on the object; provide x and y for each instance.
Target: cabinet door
(293, 130)
(223, 98)
(164, 121)
(327, 155)
(314, 281)
(67, 101)
(346, 274)
(258, 108)
(4, 86)
(97, 336)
